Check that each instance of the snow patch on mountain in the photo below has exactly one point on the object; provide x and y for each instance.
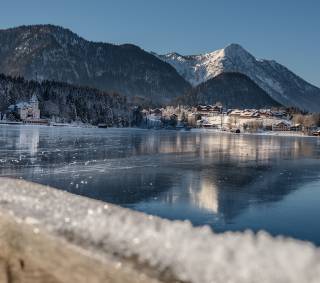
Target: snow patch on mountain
(196, 69)
(271, 83)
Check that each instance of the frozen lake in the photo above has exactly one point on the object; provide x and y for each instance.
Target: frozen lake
(230, 182)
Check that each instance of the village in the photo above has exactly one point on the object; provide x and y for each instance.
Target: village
(187, 118)
(231, 120)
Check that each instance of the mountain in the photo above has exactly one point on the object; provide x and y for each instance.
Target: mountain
(279, 82)
(47, 52)
(233, 90)
(66, 102)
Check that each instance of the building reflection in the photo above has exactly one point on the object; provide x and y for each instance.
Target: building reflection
(225, 175)
(205, 196)
(225, 146)
(227, 191)
(28, 140)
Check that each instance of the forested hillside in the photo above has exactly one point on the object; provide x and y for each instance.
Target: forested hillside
(66, 102)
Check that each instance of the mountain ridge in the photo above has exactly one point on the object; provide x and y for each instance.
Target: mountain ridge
(65, 102)
(48, 52)
(278, 81)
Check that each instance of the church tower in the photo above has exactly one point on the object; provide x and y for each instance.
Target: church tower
(34, 102)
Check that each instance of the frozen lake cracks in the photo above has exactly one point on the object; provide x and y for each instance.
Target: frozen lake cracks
(229, 182)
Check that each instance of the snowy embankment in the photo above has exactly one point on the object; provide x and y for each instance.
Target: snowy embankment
(147, 248)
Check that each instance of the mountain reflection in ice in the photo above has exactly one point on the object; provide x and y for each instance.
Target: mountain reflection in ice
(230, 182)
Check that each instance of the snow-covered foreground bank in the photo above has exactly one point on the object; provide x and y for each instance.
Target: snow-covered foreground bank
(171, 249)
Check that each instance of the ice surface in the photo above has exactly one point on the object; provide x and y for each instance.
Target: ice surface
(190, 254)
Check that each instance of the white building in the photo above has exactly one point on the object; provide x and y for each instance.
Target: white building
(27, 111)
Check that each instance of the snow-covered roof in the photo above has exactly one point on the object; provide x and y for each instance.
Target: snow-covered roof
(235, 112)
(285, 123)
(34, 98)
(22, 105)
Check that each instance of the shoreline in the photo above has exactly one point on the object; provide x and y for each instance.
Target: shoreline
(208, 130)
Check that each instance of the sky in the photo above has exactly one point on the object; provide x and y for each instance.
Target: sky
(287, 31)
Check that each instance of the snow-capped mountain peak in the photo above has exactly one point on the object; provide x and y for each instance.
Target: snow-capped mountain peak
(199, 68)
(280, 83)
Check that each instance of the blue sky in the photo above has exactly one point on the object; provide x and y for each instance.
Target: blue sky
(285, 30)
